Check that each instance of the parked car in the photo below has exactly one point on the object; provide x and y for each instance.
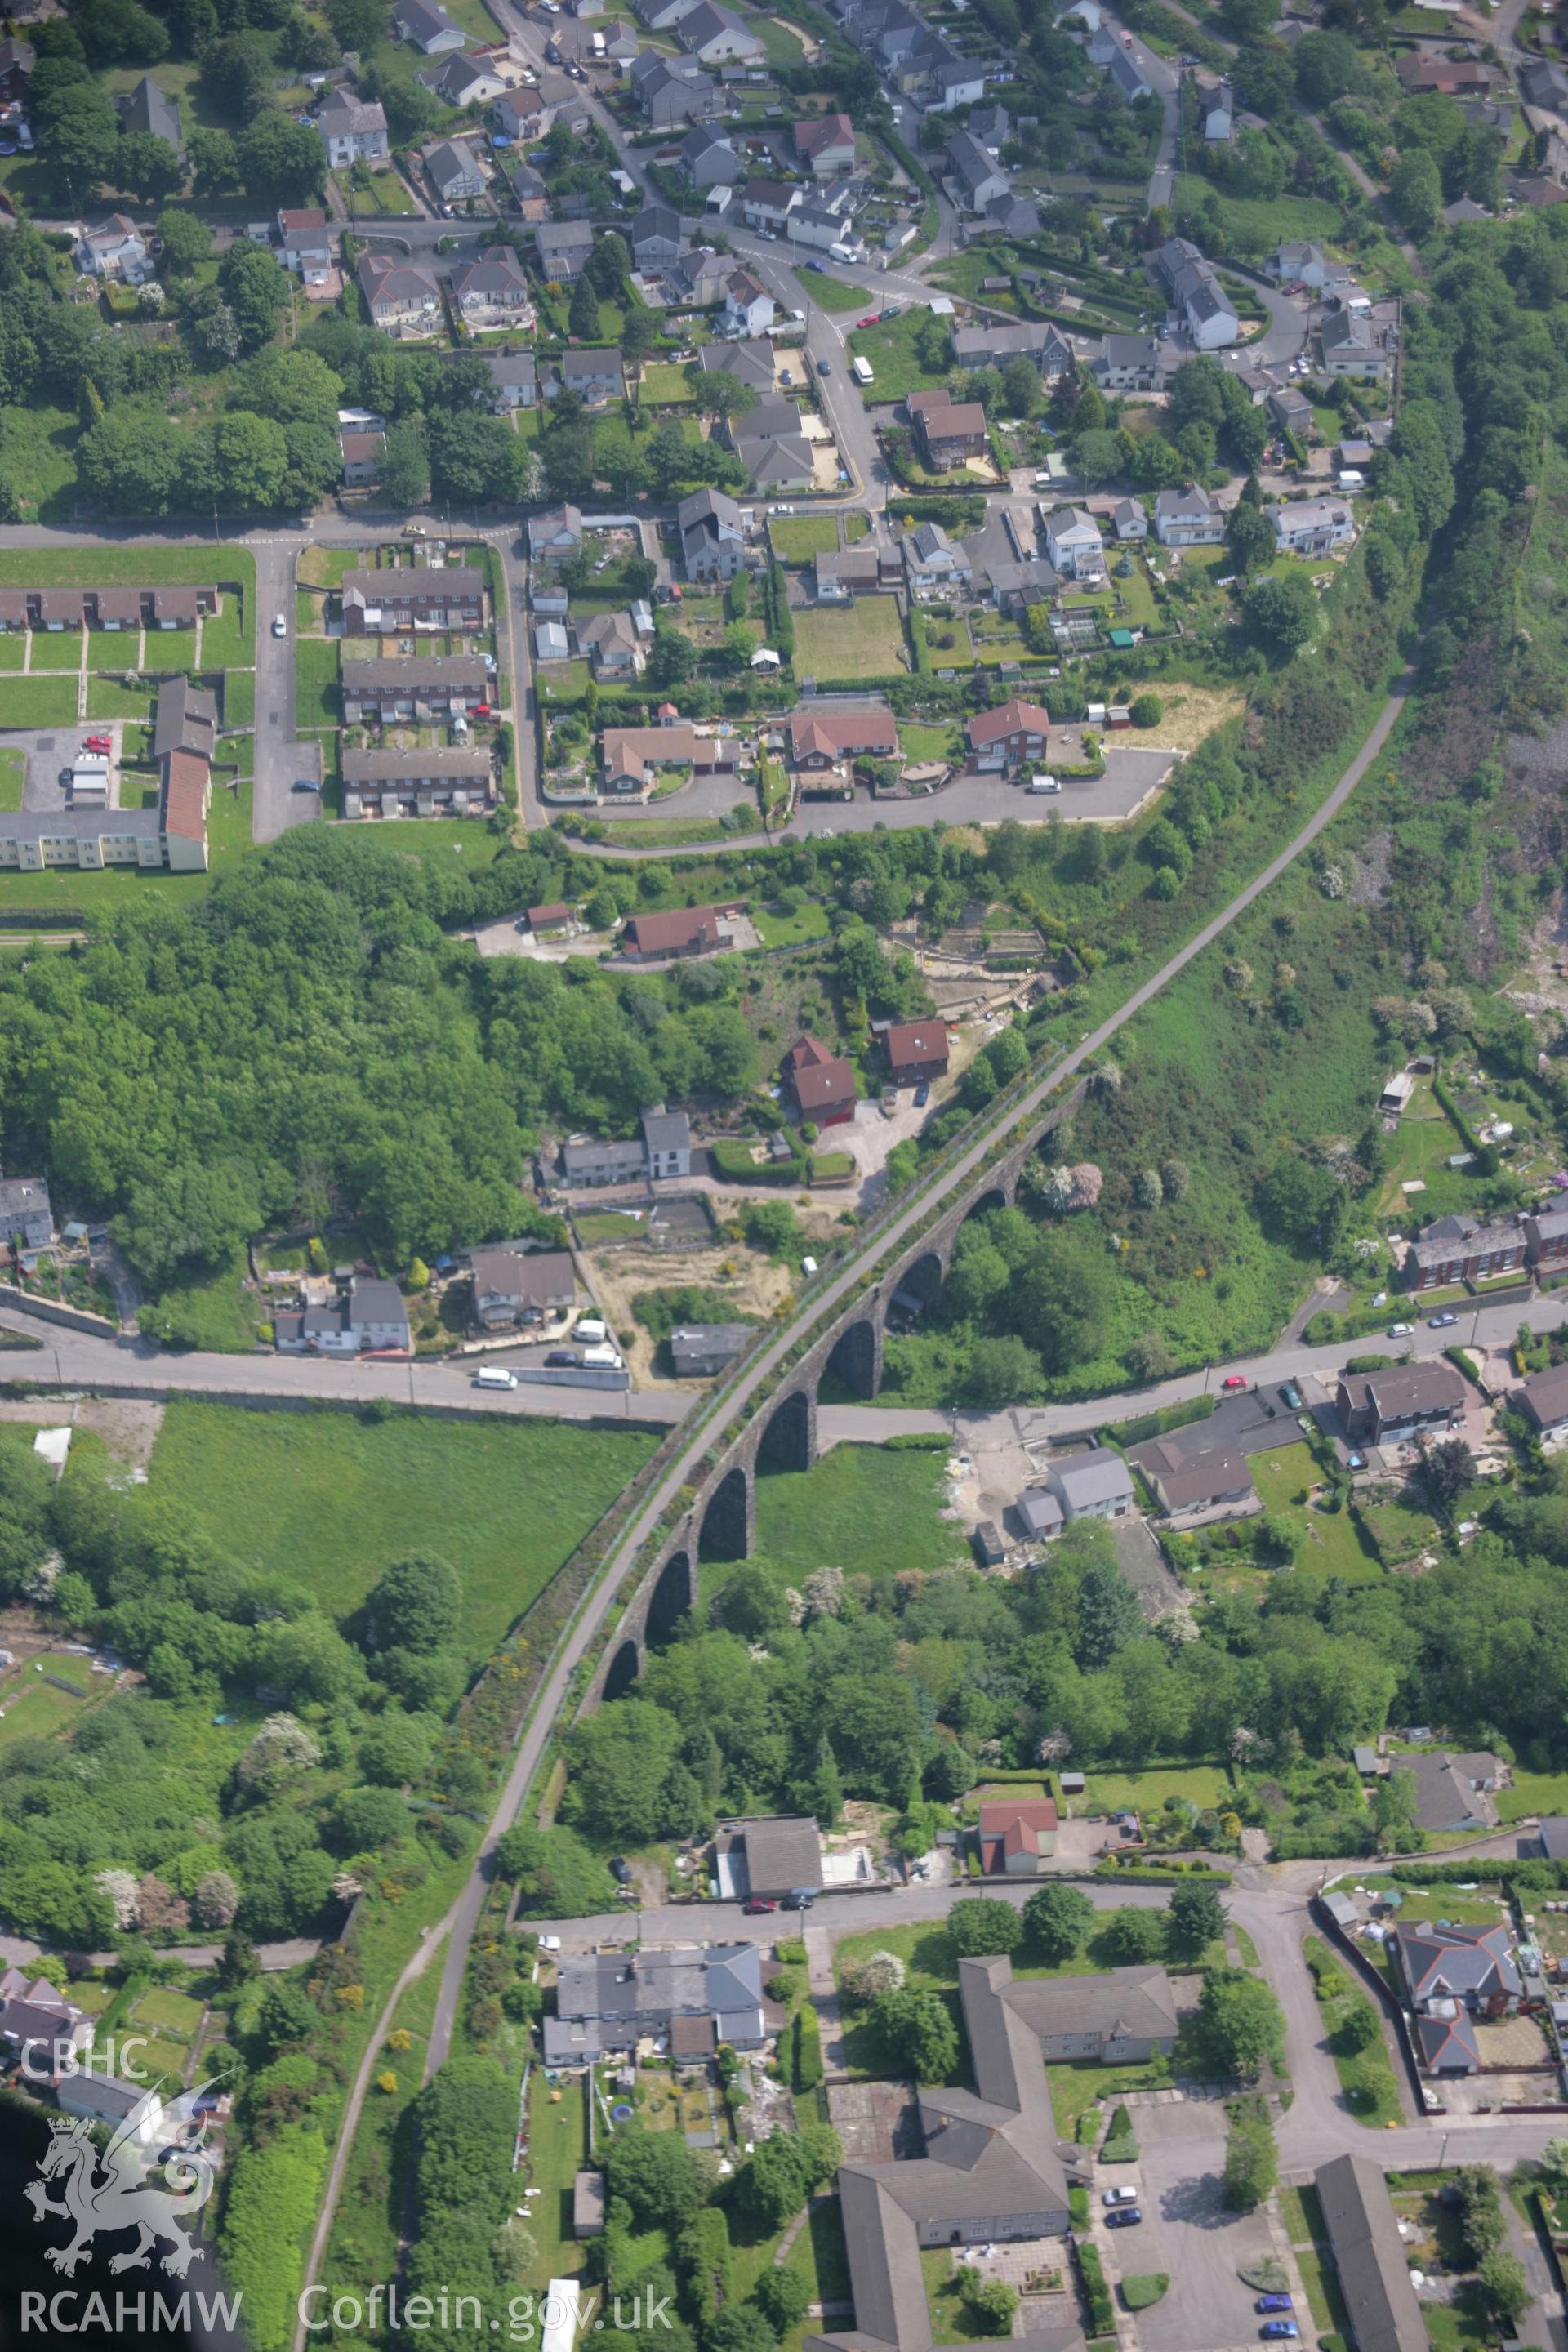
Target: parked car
(824, 367)
(1278, 2331)
(798, 1900)
(1400, 1330)
(1290, 1396)
(1120, 2197)
(97, 743)
(758, 1904)
(279, 625)
(1234, 1381)
(1441, 1322)
(868, 320)
(1273, 2303)
(620, 1871)
(923, 1095)
(1126, 2217)
(564, 1356)
(303, 784)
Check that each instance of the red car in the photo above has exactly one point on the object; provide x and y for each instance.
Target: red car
(756, 1906)
(1235, 1381)
(97, 743)
(872, 318)
(481, 711)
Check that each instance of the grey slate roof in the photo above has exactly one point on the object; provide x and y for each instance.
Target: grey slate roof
(186, 720)
(152, 110)
(1368, 2256)
(1099, 1476)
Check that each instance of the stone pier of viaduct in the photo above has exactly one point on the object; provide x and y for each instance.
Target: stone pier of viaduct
(722, 1522)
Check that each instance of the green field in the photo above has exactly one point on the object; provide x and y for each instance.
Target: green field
(126, 567)
(1204, 1785)
(334, 1498)
(806, 536)
(1326, 1540)
(169, 2012)
(557, 2149)
(860, 1506)
(37, 701)
(316, 697)
(864, 640)
(895, 360)
(836, 293)
(35, 1708)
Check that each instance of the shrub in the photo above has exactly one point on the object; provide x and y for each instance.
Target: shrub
(1144, 2288)
(808, 2067)
(1101, 2313)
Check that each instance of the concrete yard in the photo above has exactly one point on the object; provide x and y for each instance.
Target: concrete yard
(1186, 2230)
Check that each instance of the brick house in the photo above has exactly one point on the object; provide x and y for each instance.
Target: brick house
(417, 782)
(1546, 1241)
(415, 687)
(1465, 1249)
(395, 604)
(819, 741)
(1409, 1401)
(916, 1051)
(951, 433)
(1014, 737)
(823, 1085)
(1017, 1835)
(678, 932)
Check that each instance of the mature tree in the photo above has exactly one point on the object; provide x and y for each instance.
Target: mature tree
(1195, 1919)
(357, 24)
(1110, 1614)
(1506, 2286)
(406, 463)
(187, 241)
(256, 287)
(1358, 2027)
(1135, 1933)
(79, 133)
(582, 317)
(1251, 2160)
(148, 167)
(252, 460)
(1415, 192)
(417, 1604)
(557, 1876)
(1058, 1921)
(914, 2032)
(237, 74)
(656, 2174)
(1281, 612)
(1252, 539)
(1482, 2218)
(191, 1218)
(983, 1923)
(783, 2294)
(282, 162)
(215, 160)
(364, 1819)
(1241, 2023)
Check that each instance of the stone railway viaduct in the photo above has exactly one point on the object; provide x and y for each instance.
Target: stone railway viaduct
(722, 1522)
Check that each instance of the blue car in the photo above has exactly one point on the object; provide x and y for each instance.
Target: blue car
(1279, 2331)
(923, 1096)
(1273, 2303)
(1127, 2218)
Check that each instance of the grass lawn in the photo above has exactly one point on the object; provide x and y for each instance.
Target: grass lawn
(857, 527)
(33, 1708)
(239, 698)
(157, 2061)
(13, 773)
(859, 1506)
(1367, 2076)
(864, 642)
(125, 567)
(340, 1497)
(789, 930)
(1204, 1785)
(170, 651)
(895, 364)
(1326, 1540)
(107, 699)
(37, 701)
(806, 536)
(1418, 1153)
(56, 650)
(558, 2150)
(1533, 1792)
(1075, 2086)
(1139, 607)
(13, 648)
(952, 2321)
(228, 638)
(316, 697)
(169, 2012)
(664, 384)
(923, 744)
(836, 293)
(562, 682)
(1256, 225)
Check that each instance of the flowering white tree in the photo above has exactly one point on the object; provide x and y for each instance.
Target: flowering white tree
(825, 1592)
(124, 1892)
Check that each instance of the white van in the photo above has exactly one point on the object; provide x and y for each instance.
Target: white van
(493, 1377)
(590, 1328)
(861, 370)
(602, 1359)
(1044, 785)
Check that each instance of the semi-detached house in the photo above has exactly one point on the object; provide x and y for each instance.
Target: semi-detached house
(352, 129)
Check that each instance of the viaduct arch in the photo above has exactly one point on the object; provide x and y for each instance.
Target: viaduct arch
(721, 1522)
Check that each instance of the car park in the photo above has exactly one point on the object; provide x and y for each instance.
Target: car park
(1120, 2197)
(1126, 2217)
(1267, 2302)
(1442, 1322)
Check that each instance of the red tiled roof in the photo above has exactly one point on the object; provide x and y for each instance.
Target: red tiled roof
(1014, 718)
(915, 1042)
(185, 794)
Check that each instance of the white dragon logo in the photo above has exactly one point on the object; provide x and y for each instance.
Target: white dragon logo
(119, 2196)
